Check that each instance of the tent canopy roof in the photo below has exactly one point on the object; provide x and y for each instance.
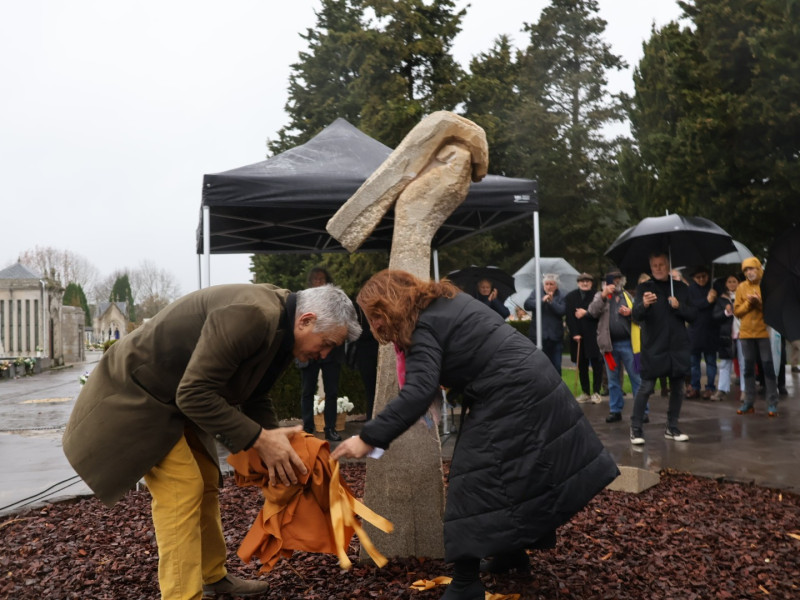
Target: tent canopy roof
(282, 204)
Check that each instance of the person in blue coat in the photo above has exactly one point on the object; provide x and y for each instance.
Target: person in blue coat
(553, 310)
(526, 459)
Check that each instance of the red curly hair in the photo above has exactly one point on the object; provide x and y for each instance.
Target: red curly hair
(397, 298)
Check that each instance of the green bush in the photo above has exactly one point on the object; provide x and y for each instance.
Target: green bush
(285, 393)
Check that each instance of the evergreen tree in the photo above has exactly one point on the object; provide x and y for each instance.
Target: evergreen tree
(715, 117)
(74, 296)
(121, 292)
(560, 125)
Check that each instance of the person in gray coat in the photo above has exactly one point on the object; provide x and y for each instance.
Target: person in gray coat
(199, 372)
(526, 459)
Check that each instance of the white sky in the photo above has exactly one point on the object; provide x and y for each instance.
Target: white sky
(111, 113)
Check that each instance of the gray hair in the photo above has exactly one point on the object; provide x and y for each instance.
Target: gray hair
(332, 307)
(550, 277)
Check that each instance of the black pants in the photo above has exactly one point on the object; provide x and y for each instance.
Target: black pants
(330, 383)
(643, 395)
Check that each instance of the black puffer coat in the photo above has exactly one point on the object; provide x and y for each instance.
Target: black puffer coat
(526, 459)
(704, 330)
(665, 342)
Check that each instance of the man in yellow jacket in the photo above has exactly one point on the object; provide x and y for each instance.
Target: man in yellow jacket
(754, 337)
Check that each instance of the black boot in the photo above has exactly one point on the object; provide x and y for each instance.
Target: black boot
(332, 435)
(516, 560)
(466, 584)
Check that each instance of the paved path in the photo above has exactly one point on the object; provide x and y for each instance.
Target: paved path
(751, 448)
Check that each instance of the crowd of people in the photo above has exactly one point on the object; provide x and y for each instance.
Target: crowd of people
(669, 330)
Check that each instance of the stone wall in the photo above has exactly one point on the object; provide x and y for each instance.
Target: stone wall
(72, 334)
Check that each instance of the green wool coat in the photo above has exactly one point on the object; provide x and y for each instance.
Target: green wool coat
(198, 363)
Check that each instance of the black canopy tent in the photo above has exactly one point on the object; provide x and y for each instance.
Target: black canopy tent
(282, 204)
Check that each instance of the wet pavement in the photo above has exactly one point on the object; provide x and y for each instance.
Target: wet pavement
(748, 448)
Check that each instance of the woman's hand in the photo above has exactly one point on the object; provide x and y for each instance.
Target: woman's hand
(353, 447)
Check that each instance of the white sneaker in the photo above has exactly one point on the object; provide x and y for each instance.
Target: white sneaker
(595, 398)
(675, 434)
(583, 398)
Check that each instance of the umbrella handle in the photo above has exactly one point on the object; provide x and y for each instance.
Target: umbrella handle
(577, 366)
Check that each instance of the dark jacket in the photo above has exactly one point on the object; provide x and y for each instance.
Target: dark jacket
(703, 331)
(552, 316)
(526, 459)
(206, 361)
(725, 347)
(585, 327)
(497, 306)
(665, 342)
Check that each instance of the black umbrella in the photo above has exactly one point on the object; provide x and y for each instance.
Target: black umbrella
(467, 279)
(780, 287)
(687, 241)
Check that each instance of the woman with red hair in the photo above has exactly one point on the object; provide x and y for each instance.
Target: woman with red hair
(526, 459)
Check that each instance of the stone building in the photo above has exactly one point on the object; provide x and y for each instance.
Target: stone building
(110, 321)
(33, 321)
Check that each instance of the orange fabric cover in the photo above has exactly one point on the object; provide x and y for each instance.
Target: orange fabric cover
(315, 515)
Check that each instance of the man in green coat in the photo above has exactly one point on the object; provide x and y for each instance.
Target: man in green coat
(199, 371)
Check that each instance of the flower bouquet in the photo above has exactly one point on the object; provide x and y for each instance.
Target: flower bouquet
(343, 406)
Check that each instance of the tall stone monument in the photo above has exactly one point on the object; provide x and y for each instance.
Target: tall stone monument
(424, 179)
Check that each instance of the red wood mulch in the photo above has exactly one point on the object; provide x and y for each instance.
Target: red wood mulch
(687, 538)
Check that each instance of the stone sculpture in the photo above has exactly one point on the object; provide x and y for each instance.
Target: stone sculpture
(425, 179)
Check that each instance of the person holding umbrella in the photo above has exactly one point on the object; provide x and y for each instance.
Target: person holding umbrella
(661, 308)
(487, 294)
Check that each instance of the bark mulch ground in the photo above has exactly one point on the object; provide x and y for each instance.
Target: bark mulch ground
(687, 538)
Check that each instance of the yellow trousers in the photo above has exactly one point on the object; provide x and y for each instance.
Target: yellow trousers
(191, 545)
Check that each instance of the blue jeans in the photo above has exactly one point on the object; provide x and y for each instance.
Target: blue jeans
(711, 369)
(622, 351)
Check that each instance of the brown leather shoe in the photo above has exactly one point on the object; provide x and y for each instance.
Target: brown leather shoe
(691, 393)
(707, 394)
(235, 586)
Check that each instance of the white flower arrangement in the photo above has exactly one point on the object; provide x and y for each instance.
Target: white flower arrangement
(343, 405)
(83, 378)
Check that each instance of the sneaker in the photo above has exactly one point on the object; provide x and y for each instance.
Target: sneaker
(637, 437)
(230, 585)
(745, 409)
(674, 434)
(719, 396)
(772, 411)
(583, 398)
(595, 398)
(614, 417)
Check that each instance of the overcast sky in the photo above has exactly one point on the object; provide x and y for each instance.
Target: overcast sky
(111, 112)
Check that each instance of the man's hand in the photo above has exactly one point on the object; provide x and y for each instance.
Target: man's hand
(649, 298)
(609, 289)
(673, 302)
(353, 447)
(624, 311)
(580, 313)
(277, 453)
(493, 294)
(712, 296)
